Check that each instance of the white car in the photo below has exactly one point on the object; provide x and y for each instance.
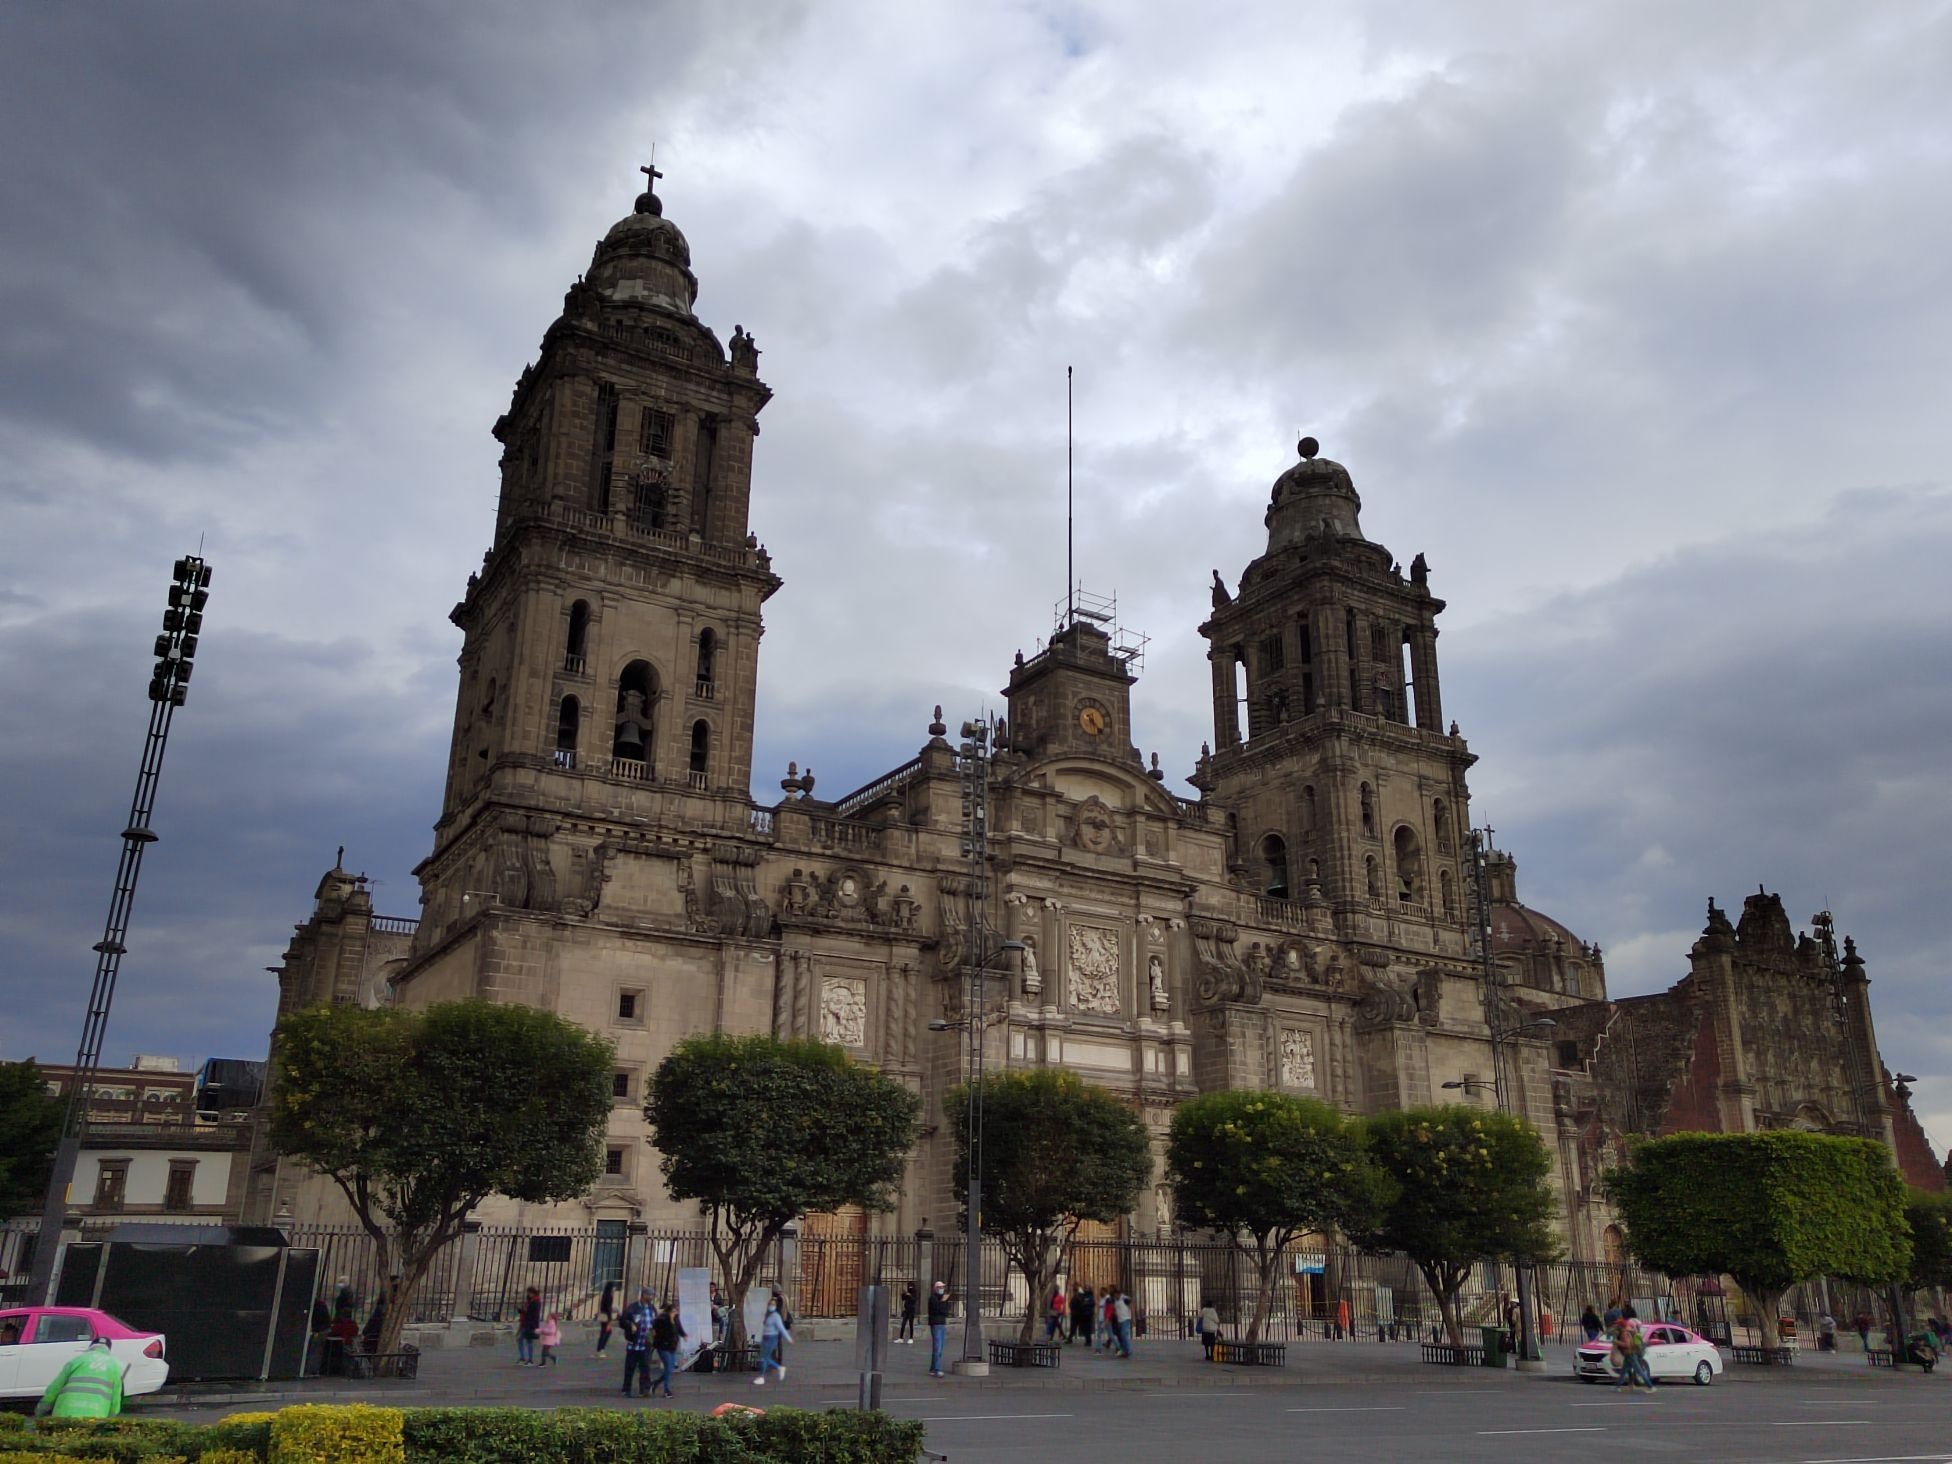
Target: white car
(36, 1342)
(1673, 1353)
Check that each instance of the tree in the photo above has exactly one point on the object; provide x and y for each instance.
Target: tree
(1928, 1215)
(1768, 1209)
(418, 1116)
(759, 1130)
(1467, 1186)
(1272, 1168)
(30, 1131)
(1056, 1152)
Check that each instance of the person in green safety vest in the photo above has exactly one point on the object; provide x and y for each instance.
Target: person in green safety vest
(90, 1386)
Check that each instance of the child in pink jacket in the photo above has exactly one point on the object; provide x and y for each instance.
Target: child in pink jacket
(550, 1335)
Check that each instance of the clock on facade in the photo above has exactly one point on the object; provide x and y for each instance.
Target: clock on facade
(1092, 718)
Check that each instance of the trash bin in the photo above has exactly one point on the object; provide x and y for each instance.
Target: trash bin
(1494, 1345)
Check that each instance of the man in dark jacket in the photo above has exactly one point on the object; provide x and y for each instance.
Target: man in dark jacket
(940, 1310)
(1084, 1313)
(636, 1322)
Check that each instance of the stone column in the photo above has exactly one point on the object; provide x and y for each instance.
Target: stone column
(1226, 711)
(636, 1259)
(470, 1242)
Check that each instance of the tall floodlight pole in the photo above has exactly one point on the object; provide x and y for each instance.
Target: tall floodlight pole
(1496, 1016)
(974, 765)
(169, 684)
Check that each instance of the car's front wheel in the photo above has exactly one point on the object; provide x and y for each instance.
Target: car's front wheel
(1703, 1374)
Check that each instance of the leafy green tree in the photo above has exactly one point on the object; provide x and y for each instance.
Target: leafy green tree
(30, 1130)
(1056, 1152)
(1268, 1168)
(418, 1116)
(759, 1130)
(1928, 1215)
(1768, 1209)
(1466, 1186)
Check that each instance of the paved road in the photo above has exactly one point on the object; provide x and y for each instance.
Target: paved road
(1335, 1402)
(1524, 1420)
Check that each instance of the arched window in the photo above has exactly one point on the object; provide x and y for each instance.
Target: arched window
(647, 499)
(701, 749)
(1440, 819)
(1372, 877)
(1368, 811)
(1409, 670)
(707, 658)
(1409, 865)
(1308, 809)
(579, 637)
(1613, 1246)
(1274, 861)
(1449, 889)
(635, 734)
(569, 721)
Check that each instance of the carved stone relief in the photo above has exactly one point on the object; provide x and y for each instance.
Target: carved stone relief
(1094, 828)
(1297, 1058)
(1155, 976)
(1033, 980)
(844, 1011)
(1092, 972)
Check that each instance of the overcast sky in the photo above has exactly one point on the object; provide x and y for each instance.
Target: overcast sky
(1633, 318)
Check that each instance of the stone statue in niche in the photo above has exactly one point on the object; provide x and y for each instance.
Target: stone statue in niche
(1297, 1058)
(1092, 971)
(904, 909)
(844, 1012)
(1155, 975)
(1093, 828)
(1033, 980)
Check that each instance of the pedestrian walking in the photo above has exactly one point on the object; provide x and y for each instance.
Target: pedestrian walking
(370, 1337)
(1054, 1315)
(89, 1386)
(1861, 1324)
(528, 1323)
(1589, 1323)
(1107, 1320)
(636, 1322)
(1209, 1327)
(550, 1336)
(1631, 1344)
(772, 1336)
(1342, 1318)
(1122, 1323)
(908, 1299)
(606, 1316)
(939, 1310)
(1083, 1308)
(666, 1333)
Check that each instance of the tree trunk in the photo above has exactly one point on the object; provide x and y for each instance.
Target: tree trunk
(404, 1271)
(1037, 1257)
(740, 1264)
(1265, 1265)
(1444, 1287)
(1768, 1307)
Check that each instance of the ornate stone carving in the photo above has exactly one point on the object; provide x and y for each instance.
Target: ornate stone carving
(1387, 996)
(1094, 828)
(732, 903)
(1092, 972)
(1297, 1058)
(1219, 974)
(1033, 981)
(1155, 977)
(844, 1011)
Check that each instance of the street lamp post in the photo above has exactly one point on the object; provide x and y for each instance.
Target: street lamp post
(169, 687)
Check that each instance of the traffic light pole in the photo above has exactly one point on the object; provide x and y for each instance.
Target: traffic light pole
(176, 649)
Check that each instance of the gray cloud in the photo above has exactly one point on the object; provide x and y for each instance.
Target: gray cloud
(1633, 317)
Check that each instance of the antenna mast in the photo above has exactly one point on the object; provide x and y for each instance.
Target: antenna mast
(1070, 569)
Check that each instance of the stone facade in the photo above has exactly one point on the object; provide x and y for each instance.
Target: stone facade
(1308, 923)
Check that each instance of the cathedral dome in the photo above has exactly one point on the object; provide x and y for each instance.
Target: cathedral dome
(1315, 496)
(644, 259)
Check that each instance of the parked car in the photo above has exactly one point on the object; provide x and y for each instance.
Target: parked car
(1673, 1353)
(50, 1335)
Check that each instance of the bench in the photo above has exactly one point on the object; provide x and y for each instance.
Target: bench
(1446, 1355)
(403, 1365)
(1252, 1354)
(1025, 1354)
(1764, 1356)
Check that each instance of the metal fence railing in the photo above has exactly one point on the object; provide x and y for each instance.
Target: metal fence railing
(1322, 1290)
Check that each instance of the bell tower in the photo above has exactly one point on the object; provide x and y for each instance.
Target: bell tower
(1342, 779)
(611, 639)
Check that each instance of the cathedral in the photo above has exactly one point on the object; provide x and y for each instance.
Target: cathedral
(1321, 920)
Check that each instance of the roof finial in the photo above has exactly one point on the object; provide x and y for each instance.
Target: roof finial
(1308, 447)
(648, 201)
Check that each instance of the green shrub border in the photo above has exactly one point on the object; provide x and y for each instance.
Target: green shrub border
(493, 1436)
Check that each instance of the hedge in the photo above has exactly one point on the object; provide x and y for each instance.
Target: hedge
(358, 1434)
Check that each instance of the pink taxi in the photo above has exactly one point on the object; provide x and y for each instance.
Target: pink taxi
(37, 1341)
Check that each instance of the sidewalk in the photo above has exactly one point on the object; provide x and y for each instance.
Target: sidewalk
(821, 1374)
